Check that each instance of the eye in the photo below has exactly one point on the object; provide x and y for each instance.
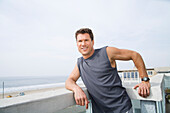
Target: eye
(86, 39)
(79, 41)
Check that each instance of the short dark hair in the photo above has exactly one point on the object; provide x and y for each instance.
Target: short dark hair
(83, 31)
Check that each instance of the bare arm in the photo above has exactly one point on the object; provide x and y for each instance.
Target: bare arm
(70, 84)
(124, 54)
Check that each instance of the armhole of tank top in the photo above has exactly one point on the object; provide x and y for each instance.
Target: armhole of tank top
(78, 64)
(107, 57)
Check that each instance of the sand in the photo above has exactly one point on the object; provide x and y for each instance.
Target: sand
(28, 92)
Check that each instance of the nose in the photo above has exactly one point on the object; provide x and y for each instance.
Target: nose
(83, 42)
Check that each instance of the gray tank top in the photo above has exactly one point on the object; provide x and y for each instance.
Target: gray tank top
(103, 84)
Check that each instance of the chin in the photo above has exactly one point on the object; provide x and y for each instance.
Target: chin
(84, 53)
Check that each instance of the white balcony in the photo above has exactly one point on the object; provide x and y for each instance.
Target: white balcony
(62, 100)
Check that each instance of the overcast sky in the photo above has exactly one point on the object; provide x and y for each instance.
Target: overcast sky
(37, 36)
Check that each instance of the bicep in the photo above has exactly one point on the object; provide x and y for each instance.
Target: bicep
(75, 73)
(120, 54)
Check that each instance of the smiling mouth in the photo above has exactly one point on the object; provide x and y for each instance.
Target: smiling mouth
(84, 48)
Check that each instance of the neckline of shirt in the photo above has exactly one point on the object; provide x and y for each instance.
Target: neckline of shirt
(91, 55)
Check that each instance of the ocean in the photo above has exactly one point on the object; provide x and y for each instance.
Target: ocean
(21, 83)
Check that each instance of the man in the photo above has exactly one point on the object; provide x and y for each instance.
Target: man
(97, 68)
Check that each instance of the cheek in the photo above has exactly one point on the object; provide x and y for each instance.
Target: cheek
(78, 45)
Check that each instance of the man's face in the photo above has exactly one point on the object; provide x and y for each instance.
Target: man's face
(85, 44)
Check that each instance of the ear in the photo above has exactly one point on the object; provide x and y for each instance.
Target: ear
(93, 42)
(76, 43)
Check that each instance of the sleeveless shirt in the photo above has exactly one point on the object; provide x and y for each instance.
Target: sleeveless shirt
(103, 83)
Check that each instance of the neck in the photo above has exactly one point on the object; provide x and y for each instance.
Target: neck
(89, 55)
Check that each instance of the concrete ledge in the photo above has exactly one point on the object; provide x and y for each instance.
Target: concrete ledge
(47, 102)
(155, 91)
(53, 101)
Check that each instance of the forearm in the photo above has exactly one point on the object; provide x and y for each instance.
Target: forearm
(139, 63)
(80, 96)
(144, 86)
(71, 85)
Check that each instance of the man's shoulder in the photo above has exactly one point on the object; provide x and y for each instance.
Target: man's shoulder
(101, 48)
(79, 59)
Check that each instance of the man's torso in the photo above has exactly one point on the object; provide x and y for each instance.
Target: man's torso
(103, 83)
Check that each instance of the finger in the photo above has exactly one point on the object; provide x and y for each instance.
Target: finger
(144, 92)
(136, 86)
(77, 102)
(86, 102)
(139, 91)
(148, 91)
(82, 102)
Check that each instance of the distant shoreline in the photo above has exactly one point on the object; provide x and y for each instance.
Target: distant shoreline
(32, 91)
(28, 92)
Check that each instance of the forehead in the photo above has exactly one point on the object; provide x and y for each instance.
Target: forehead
(83, 36)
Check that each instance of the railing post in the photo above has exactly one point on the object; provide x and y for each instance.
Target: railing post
(148, 106)
(3, 89)
(159, 107)
(163, 94)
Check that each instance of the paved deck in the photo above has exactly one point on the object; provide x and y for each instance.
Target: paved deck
(167, 107)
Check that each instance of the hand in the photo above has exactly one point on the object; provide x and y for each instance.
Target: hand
(80, 97)
(144, 89)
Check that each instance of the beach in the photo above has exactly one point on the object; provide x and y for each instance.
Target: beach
(29, 92)
(15, 85)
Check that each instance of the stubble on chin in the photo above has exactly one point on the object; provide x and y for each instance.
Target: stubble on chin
(87, 53)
